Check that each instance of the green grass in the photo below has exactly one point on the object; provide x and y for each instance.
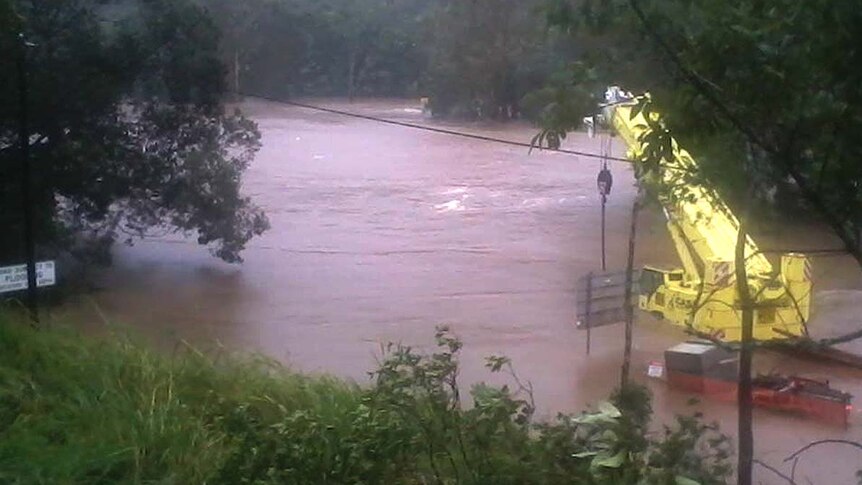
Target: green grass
(76, 409)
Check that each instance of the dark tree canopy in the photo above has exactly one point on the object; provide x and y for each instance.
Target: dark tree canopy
(757, 90)
(473, 59)
(127, 131)
(485, 55)
(321, 47)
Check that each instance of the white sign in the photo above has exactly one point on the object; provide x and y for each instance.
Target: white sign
(14, 278)
(656, 369)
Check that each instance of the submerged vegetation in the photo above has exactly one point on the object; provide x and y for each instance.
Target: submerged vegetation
(77, 409)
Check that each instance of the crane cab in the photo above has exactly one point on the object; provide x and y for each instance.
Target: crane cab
(712, 308)
(666, 293)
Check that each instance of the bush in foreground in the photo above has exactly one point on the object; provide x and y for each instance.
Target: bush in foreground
(84, 410)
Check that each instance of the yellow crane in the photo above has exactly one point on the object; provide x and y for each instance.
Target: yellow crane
(702, 294)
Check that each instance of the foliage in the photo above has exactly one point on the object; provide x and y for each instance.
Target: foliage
(320, 47)
(472, 59)
(83, 410)
(772, 102)
(79, 410)
(494, 53)
(126, 126)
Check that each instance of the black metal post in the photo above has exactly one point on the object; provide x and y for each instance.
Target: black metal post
(604, 182)
(26, 196)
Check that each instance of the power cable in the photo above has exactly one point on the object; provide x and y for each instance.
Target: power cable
(433, 129)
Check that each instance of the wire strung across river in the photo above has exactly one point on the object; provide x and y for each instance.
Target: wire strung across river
(444, 131)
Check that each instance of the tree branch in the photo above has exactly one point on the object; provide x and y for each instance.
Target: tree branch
(841, 338)
(823, 442)
(775, 471)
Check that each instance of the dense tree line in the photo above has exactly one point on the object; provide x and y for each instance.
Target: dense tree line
(472, 59)
(301, 47)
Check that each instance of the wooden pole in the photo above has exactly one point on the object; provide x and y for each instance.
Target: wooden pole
(26, 196)
(628, 307)
(744, 400)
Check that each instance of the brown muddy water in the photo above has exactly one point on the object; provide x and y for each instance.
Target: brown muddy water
(380, 233)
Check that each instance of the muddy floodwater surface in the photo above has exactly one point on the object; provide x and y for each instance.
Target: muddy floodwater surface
(380, 233)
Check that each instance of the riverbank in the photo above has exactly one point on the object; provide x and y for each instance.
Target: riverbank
(77, 409)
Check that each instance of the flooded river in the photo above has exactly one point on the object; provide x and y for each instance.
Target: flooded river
(381, 232)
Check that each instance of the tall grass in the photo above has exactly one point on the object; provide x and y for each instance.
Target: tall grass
(84, 410)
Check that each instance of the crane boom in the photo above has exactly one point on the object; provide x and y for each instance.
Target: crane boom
(702, 294)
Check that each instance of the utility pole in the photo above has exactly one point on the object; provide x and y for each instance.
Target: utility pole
(26, 196)
(745, 460)
(628, 305)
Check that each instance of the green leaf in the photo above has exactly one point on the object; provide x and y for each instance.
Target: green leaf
(609, 410)
(584, 454)
(606, 461)
(593, 418)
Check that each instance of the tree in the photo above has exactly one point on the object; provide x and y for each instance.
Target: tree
(267, 44)
(485, 55)
(128, 134)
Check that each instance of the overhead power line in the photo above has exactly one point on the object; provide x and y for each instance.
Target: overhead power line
(433, 129)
